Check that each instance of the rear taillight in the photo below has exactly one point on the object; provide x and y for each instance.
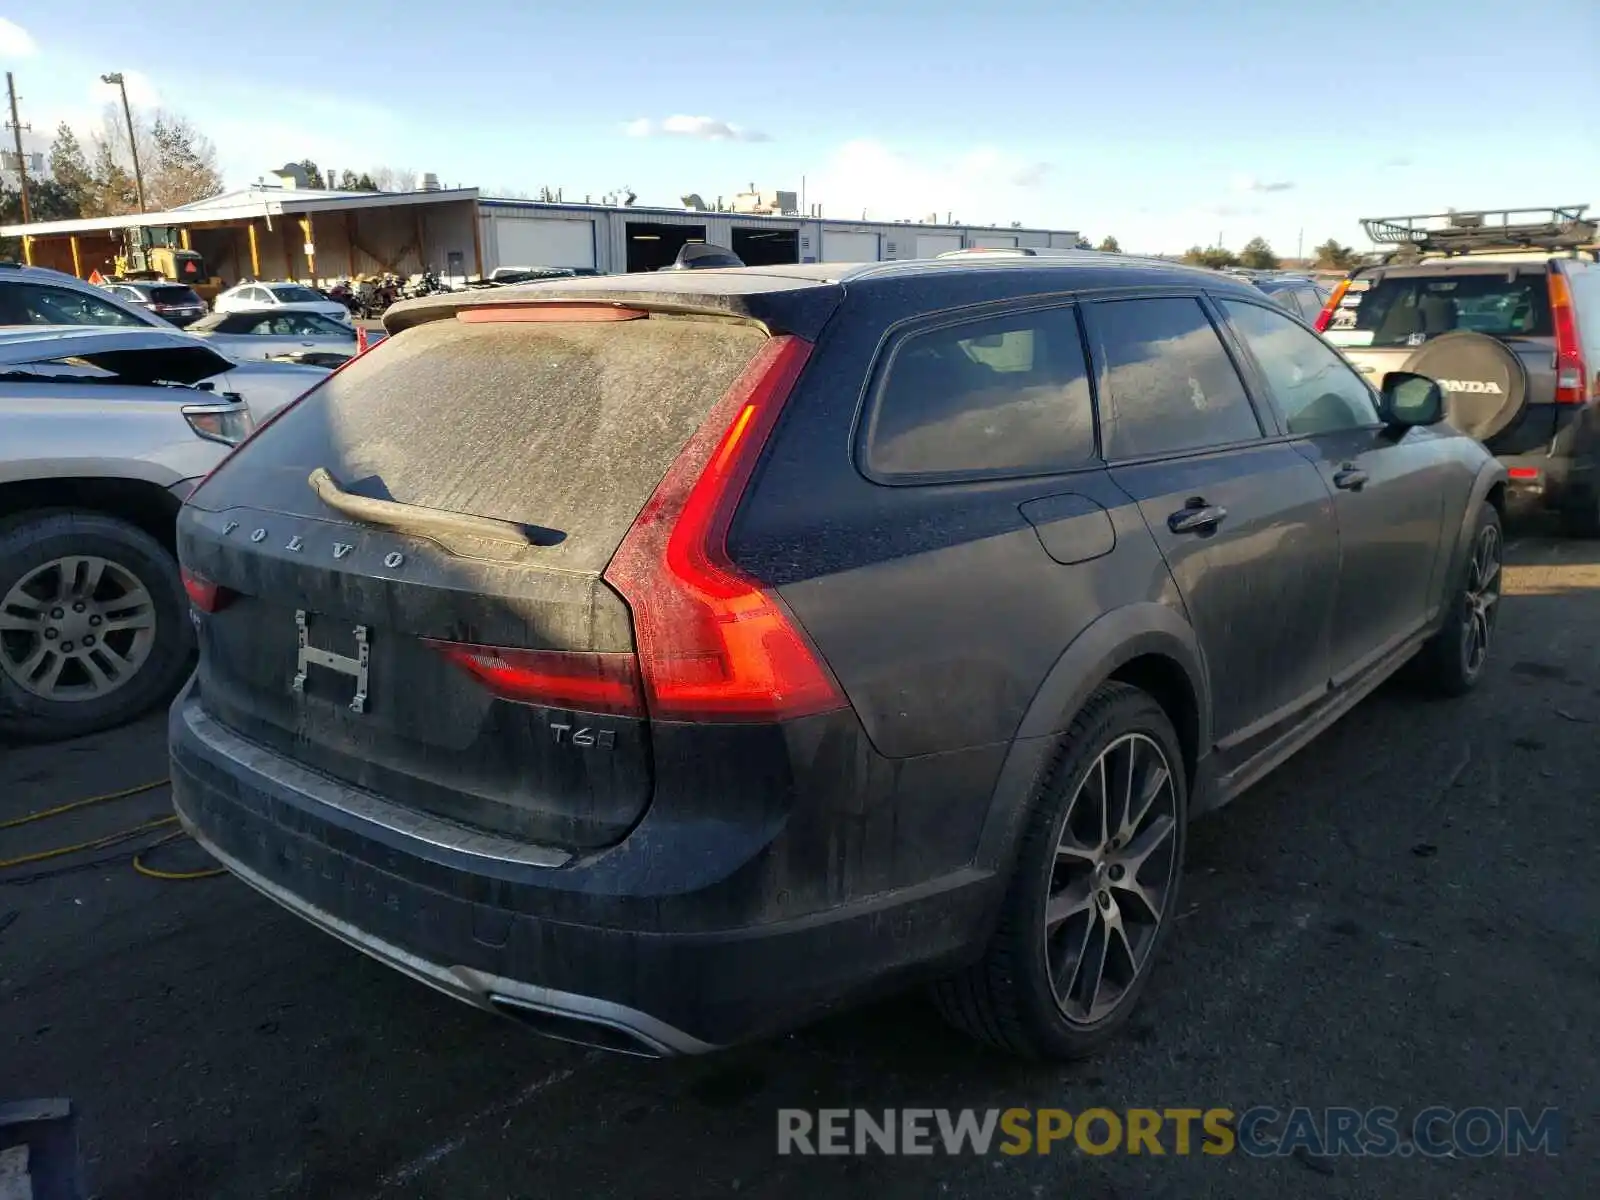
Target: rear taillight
(1328, 309)
(230, 425)
(1572, 380)
(713, 644)
(208, 597)
(597, 683)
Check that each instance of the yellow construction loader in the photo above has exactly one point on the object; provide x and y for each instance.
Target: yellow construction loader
(154, 254)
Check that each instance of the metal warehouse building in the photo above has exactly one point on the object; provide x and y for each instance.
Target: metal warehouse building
(268, 232)
(613, 240)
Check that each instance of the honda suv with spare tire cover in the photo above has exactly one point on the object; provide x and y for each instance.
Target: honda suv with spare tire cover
(740, 643)
(1502, 309)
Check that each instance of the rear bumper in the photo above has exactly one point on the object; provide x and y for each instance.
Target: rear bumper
(1541, 481)
(481, 928)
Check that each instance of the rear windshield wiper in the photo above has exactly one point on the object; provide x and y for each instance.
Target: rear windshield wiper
(416, 518)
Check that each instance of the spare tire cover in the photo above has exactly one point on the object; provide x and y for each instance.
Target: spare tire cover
(1483, 381)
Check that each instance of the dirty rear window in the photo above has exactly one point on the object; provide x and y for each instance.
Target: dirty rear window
(1407, 310)
(565, 426)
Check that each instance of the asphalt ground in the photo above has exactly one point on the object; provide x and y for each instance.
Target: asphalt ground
(1407, 914)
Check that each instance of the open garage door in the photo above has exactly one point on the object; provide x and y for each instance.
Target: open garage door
(652, 246)
(763, 246)
(849, 246)
(931, 245)
(543, 242)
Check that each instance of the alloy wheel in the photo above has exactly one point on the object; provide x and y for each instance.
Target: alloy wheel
(1114, 872)
(1481, 600)
(76, 628)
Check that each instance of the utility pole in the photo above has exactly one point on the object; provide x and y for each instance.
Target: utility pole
(133, 142)
(1300, 244)
(16, 131)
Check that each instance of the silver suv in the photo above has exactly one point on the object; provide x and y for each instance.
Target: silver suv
(106, 433)
(37, 296)
(1502, 308)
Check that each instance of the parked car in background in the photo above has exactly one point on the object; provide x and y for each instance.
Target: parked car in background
(105, 433)
(258, 297)
(281, 333)
(172, 301)
(736, 643)
(1502, 307)
(35, 296)
(1296, 294)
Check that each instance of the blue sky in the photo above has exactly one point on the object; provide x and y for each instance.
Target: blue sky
(1163, 123)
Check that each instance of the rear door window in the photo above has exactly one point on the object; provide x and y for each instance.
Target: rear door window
(1007, 395)
(1407, 310)
(1167, 384)
(29, 304)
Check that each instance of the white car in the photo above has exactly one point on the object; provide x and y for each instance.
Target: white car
(107, 430)
(292, 334)
(31, 297)
(256, 297)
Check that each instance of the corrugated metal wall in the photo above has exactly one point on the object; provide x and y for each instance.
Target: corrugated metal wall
(895, 240)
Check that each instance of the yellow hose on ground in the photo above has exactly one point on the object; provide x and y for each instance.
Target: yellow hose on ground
(109, 839)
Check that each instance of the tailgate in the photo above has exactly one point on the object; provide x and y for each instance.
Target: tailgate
(1386, 318)
(559, 431)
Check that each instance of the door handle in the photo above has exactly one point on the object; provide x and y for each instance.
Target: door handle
(1349, 479)
(1197, 517)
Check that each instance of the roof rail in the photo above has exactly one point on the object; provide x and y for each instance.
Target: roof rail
(971, 251)
(1556, 227)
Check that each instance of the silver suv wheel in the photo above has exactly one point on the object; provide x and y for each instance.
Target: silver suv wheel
(76, 628)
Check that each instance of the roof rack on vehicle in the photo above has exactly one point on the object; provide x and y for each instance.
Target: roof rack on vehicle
(1557, 227)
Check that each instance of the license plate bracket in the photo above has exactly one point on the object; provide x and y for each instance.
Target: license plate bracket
(307, 656)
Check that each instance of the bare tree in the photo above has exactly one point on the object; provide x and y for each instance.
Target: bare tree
(183, 168)
(179, 162)
(394, 179)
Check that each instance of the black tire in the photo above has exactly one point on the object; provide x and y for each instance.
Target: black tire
(1447, 664)
(1007, 999)
(1580, 516)
(29, 541)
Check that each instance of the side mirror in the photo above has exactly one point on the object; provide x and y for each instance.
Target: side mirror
(1410, 399)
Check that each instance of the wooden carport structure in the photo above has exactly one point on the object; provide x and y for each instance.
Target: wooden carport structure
(279, 233)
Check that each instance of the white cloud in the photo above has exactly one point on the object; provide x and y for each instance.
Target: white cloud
(1031, 175)
(15, 41)
(1249, 183)
(983, 186)
(706, 129)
